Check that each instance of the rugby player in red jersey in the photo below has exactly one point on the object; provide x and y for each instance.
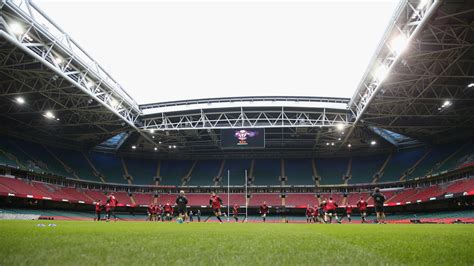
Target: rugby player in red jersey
(235, 212)
(159, 212)
(264, 211)
(331, 206)
(113, 203)
(362, 206)
(151, 212)
(315, 213)
(309, 214)
(107, 211)
(98, 210)
(168, 210)
(349, 213)
(215, 203)
(321, 211)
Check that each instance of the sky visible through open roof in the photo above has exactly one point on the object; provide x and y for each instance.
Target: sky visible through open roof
(174, 50)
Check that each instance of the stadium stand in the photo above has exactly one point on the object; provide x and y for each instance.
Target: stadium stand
(43, 159)
(20, 159)
(331, 170)
(364, 168)
(143, 171)
(93, 166)
(22, 188)
(353, 198)
(436, 155)
(462, 156)
(76, 194)
(76, 162)
(271, 199)
(299, 172)
(96, 195)
(205, 172)
(237, 171)
(172, 171)
(123, 198)
(143, 199)
(109, 166)
(267, 172)
(301, 199)
(399, 163)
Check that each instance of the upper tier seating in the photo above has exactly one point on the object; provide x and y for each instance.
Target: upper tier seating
(109, 166)
(77, 164)
(331, 170)
(143, 171)
(237, 171)
(399, 163)
(267, 172)
(41, 156)
(364, 168)
(299, 172)
(11, 152)
(76, 161)
(204, 172)
(436, 155)
(172, 171)
(463, 156)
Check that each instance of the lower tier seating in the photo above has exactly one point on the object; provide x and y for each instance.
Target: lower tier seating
(25, 188)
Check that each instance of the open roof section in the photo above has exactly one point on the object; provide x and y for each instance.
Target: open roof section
(178, 50)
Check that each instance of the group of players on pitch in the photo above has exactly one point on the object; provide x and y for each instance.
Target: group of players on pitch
(108, 207)
(326, 211)
(323, 213)
(165, 212)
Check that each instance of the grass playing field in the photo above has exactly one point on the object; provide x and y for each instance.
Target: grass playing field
(145, 243)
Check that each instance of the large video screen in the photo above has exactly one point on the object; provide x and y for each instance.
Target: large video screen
(243, 138)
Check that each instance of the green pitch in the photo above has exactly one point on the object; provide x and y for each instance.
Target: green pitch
(142, 243)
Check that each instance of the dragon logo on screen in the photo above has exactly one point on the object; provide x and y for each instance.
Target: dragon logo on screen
(242, 135)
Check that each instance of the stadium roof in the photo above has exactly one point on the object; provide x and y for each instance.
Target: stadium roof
(420, 84)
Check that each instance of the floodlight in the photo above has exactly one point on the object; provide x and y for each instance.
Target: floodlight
(114, 103)
(399, 44)
(470, 85)
(340, 126)
(446, 104)
(58, 60)
(155, 148)
(49, 115)
(17, 28)
(134, 147)
(152, 131)
(20, 100)
(373, 142)
(381, 73)
(349, 145)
